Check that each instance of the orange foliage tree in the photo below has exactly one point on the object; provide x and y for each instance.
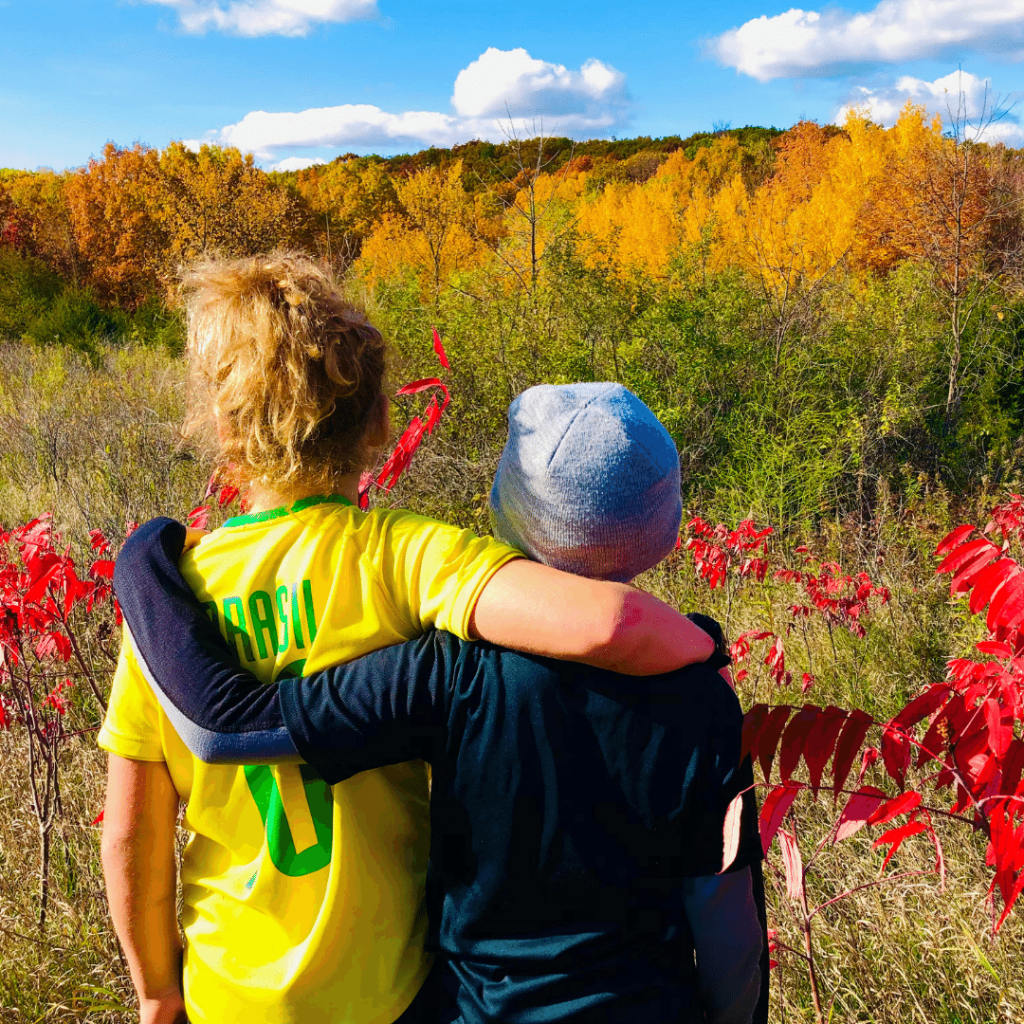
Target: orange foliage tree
(113, 204)
(936, 203)
(45, 226)
(138, 214)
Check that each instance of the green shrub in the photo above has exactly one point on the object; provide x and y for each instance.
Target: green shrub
(153, 323)
(75, 318)
(27, 288)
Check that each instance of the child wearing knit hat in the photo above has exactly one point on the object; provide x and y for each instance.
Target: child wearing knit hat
(577, 815)
(588, 481)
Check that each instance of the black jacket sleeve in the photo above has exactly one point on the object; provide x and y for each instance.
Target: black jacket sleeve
(726, 914)
(383, 708)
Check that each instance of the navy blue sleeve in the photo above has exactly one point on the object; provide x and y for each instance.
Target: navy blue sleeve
(383, 708)
(726, 914)
(223, 714)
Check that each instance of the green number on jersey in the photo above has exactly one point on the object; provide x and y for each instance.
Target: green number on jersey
(280, 840)
(319, 803)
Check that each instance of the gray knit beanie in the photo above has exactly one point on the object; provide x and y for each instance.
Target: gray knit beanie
(588, 481)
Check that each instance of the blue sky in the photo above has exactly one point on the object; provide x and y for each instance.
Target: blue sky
(301, 80)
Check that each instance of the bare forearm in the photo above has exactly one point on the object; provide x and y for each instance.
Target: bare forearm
(139, 869)
(533, 608)
(145, 920)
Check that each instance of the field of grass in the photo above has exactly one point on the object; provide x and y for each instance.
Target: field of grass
(95, 443)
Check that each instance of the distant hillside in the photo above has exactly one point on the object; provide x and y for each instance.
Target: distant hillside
(485, 163)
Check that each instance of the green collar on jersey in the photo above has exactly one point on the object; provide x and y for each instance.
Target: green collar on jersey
(286, 510)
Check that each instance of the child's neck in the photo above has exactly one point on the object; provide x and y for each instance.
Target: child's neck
(262, 498)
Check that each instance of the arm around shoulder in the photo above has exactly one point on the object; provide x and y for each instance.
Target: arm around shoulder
(533, 608)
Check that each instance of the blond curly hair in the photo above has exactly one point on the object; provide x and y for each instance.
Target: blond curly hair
(284, 372)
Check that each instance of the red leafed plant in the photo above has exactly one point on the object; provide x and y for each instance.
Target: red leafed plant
(822, 595)
(953, 753)
(398, 461)
(43, 601)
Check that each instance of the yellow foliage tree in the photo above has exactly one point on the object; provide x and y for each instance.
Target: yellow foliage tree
(639, 229)
(218, 201)
(632, 228)
(347, 202)
(431, 236)
(539, 212)
(786, 235)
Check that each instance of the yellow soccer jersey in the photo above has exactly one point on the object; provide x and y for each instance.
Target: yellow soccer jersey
(304, 902)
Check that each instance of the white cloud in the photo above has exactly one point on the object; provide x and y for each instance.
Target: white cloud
(501, 91)
(297, 163)
(960, 95)
(267, 134)
(265, 17)
(511, 80)
(800, 43)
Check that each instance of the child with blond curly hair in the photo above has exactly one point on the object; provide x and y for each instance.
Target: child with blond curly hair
(303, 901)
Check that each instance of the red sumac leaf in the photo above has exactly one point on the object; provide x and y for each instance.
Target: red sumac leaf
(989, 581)
(54, 644)
(895, 755)
(951, 540)
(936, 739)
(432, 414)
(822, 742)
(1006, 855)
(895, 836)
(775, 659)
(439, 350)
(1010, 900)
(1011, 615)
(42, 580)
(858, 809)
(850, 742)
(774, 808)
(794, 738)
(731, 832)
(753, 721)
(199, 517)
(972, 571)
(995, 647)
(792, 862)
(103, 568)
(1007, 599)
(1013, 767)
(1000, 734)
(922, 706)
(902, 804)
(420, 385)
(771, 732)
(965, 556)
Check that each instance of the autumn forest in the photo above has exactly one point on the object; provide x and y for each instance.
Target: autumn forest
(830, 322)
(849, 297)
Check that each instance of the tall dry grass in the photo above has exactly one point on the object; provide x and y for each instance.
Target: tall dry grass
(97, 445)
